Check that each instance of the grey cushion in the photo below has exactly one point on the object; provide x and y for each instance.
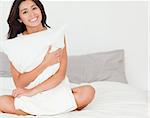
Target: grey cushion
(103, 66)
(4, 66)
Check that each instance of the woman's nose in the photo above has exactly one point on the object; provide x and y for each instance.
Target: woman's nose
(31, 13)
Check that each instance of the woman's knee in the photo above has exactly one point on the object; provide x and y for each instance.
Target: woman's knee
(6, 104)
(84, 96)
(89, 93)
(3, 99)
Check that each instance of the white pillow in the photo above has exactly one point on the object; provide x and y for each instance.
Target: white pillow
(6, 86)
(26, 52)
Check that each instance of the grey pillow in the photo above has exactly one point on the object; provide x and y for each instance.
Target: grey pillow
(102, 66)
(4, 66)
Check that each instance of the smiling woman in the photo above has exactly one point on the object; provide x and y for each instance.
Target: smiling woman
(26, 15)
(30, 14)
(38, 62)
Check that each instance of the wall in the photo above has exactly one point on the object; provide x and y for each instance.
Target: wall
(102, 26)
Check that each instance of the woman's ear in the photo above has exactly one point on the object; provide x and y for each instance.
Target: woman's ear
(20, 20)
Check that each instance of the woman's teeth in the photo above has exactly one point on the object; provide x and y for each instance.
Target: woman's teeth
(33, 20)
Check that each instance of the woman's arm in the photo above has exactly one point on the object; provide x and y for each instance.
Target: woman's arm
(50, 83)
(22, 80)
(56, 79)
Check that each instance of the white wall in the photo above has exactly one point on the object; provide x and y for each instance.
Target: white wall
(148, 46)
(103, 26)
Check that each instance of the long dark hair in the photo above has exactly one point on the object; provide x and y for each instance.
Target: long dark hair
(15, 27)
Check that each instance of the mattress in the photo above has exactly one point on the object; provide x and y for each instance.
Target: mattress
(112, 100)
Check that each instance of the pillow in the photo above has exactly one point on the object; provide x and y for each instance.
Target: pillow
(102, 66)
(26, 53)
(6, 84)
(77, 69)
(4, 66)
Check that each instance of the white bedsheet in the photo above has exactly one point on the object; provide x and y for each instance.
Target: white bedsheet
(112, 100)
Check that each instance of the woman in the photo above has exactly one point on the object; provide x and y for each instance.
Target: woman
(27, 17)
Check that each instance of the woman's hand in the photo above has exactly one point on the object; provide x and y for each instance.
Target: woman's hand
(23, 92)
(53, 57)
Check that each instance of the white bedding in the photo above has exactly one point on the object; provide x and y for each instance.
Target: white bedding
(112, 100)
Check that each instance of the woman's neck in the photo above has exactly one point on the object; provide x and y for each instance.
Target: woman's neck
(31, 30)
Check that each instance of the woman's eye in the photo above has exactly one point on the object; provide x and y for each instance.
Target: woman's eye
(34, 8)
(24, 12)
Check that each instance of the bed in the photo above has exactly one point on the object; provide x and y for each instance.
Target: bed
(114, 97)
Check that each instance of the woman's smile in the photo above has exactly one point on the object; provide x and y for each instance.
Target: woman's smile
(33, 19)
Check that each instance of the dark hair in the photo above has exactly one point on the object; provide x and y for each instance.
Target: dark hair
(15, 27)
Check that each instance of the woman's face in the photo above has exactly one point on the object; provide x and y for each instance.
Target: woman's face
(30, 13)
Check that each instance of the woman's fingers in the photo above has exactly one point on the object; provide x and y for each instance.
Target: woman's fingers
(58, 53)
(53, 57)
(16, 92)
(49, 49)
(21, 94)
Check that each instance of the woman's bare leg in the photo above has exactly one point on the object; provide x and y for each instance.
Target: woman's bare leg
(83, 95)
(1, 112)
(7, 106)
